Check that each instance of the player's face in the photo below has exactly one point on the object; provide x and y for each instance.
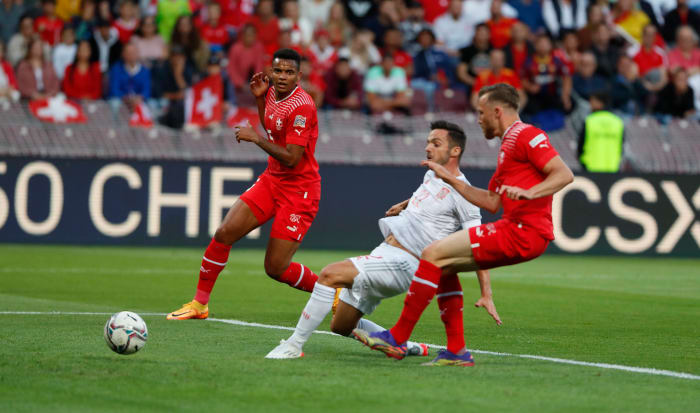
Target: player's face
(285, 75)
(487, 118)
(438, 147)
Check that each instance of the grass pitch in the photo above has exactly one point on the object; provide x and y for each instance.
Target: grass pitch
(628, 311)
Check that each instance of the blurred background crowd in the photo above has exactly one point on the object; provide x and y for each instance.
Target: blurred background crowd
(376, 56)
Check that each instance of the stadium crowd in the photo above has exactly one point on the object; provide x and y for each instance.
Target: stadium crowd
(364, 55)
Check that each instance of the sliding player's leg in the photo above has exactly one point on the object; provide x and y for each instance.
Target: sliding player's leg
(336, 275)
(348, 318)
(239, 221)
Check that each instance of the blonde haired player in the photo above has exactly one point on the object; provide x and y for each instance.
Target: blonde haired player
(433, 212)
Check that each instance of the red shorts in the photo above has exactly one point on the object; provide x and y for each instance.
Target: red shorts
(293, 210)
(505, 242)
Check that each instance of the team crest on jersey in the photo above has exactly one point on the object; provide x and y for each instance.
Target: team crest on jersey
(294, 217)
(278, 124)
(443, 193)
(299, 121)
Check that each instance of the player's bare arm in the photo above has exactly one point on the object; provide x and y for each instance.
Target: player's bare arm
(289, 155)
(396, 209)
(482, 198)
(486, 299)
(558, 175)
(259, 84)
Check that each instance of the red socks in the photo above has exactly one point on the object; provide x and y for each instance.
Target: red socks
(420, 293)
(299, 276)
(450, 302)
(213, 262)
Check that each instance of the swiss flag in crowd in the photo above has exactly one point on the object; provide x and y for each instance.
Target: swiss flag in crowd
(57, 110)
(243, 117)
(141, 116)
(204, 102)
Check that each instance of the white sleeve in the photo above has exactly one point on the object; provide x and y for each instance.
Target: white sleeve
(550, 17)
(469, 215)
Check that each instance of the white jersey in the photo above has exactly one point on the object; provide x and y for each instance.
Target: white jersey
(435, 211)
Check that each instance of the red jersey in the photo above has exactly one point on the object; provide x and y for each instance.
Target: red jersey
(500, 31)
(49, 29)
(525, 150)
(648, 59)
(214, 35)
(293, 120)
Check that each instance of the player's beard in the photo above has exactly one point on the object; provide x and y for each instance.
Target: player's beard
(489, 131)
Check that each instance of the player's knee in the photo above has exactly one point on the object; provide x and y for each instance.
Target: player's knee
(328, 277)
(431, 253)
(274, 269)
(223, 236)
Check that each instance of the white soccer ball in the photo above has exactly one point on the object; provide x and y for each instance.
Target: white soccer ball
(126, 332)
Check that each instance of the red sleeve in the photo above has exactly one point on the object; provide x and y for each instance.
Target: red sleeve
(10, 74)
(96, 81)
(478, 84)
(300, 125)
(536, 148)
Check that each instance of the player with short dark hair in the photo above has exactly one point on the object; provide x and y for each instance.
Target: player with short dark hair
(288, 191)
(529, 172)
(434, 211)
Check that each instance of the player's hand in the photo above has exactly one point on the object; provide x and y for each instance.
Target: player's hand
(259, 84)
(515, 193)
(396, 209)
(490, 307)
(440, 171)
(247, 133)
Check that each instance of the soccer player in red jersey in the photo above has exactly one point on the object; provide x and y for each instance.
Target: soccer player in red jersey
(529, 172)
(288, 191)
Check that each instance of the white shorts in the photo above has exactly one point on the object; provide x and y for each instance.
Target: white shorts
(386, 272)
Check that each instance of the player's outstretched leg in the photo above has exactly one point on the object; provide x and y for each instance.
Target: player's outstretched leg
(451, 302)
(316, 309)
(279, 265)
(238, 222)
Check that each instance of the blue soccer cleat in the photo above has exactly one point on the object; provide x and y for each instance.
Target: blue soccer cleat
(448, 358)
(382, 341)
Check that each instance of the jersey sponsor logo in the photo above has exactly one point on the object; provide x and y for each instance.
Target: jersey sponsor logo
(294, 218)
(271, 116)
(300, 121)
(298, 131)
(443, 193)
(278, 124)
(293, 229)
(537, 140)
(202, 269)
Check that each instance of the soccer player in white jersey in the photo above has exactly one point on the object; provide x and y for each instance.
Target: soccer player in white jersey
(433, 212)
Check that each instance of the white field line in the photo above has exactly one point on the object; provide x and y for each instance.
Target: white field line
(631, 369)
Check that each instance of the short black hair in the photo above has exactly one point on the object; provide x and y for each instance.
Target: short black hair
(454, 132)
(288, 54)
(501, 93)
(601, 96)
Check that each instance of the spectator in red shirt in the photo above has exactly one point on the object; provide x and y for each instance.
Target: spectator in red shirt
(266, 26)
(48, 25)
(568, 51)
(393, 42)
(82, 78)
(546, 80)
(500, 25)
(128, 20)
(213, 30)
(498, 73)
(686, 54)
(246, 57)
(8, 83)
(651, 61)
(36, 78)
(311, 81)
(323, 55)
(519, 49)
(343, 87)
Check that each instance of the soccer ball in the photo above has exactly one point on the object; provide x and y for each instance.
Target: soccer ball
(126, 332)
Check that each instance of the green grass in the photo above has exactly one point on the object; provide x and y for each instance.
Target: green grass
(631, 311)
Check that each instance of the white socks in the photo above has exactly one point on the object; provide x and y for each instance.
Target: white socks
(369, 326)
(317, 308)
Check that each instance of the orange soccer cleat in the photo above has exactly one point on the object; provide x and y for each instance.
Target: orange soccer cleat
(191, 310)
